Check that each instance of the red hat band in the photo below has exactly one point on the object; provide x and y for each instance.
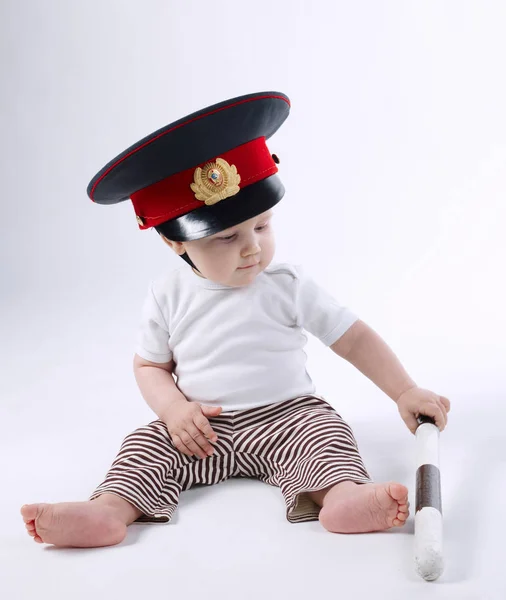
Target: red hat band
(207, 183)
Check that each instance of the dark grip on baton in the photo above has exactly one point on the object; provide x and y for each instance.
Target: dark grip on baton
(428, 487)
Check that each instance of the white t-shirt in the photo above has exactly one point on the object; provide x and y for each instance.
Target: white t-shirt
(239, 347)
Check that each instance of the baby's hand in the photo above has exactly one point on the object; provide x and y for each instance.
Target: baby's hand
(416, 402)
(189, 428)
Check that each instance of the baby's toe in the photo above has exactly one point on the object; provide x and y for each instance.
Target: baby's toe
(29, 512)
(30, 528)
(398, 492)
(401, 517)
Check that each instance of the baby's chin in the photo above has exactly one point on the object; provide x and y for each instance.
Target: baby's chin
(242, 277)
(249, 275)
(237, 278)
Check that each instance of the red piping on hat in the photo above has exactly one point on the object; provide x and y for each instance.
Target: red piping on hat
(177, 127)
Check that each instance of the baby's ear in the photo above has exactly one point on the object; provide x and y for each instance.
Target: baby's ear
(178, 247)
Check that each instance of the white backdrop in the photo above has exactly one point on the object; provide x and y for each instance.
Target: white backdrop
(394, 161)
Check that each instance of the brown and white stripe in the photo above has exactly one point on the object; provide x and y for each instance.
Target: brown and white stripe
(301, 445)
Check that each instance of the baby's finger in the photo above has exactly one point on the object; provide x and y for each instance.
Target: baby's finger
(445, 402)
(176, 440)
(190, 443)
(410, 421)
(199, 439)
(203, 424)
(434, 411)
(443, 410)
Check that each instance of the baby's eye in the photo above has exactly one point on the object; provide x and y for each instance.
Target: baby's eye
(229, 238)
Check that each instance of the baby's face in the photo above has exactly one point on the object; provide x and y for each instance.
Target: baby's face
(221, 257)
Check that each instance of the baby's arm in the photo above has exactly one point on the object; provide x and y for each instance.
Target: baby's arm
(365, 349)
(157, 385)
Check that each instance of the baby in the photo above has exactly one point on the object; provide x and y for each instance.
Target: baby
(220, 356)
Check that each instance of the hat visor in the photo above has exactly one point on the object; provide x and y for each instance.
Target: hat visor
(208, 220)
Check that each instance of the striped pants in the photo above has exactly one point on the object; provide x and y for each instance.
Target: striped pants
(300, 445)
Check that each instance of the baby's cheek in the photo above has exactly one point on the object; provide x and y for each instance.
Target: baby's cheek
(269, 250)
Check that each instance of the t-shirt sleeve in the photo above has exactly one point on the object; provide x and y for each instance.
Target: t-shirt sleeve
(319, 312)
(153, 335)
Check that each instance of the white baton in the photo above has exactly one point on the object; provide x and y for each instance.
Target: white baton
(428, 516)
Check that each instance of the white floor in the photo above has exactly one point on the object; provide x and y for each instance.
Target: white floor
(232, 540)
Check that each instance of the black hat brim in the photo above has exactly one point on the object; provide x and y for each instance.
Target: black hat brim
(208, 220)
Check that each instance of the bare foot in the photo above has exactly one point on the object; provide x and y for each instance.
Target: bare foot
(359, 508)
(79, 524)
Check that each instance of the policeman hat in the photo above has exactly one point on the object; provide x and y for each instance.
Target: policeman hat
(202, 174)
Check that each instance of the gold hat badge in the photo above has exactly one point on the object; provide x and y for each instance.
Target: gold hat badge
(215, 181)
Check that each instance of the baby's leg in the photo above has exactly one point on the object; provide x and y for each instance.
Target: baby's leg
(316, 463)
(100, 522)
